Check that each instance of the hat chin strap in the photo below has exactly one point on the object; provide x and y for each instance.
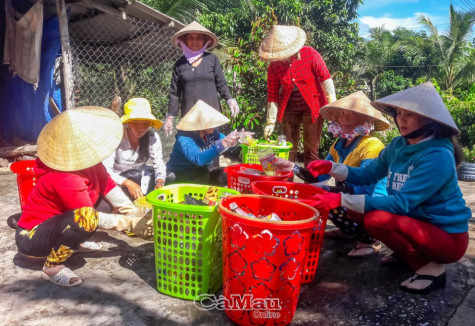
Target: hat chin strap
(425, 130)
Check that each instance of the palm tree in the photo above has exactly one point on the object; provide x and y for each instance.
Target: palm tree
(456, 54)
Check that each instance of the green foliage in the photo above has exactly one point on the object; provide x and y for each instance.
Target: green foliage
(464, 117)
(469, 154)
(389, 83)
(251, 76)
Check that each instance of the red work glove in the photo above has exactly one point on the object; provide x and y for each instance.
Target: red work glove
(319, 167)
(324, 202)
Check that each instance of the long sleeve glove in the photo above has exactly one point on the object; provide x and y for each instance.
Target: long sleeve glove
(233, 106)
(271, 118)
(324, 202)
(168, 125)
(329, 90)
(138, 225)
(229, 141)
(319, 167)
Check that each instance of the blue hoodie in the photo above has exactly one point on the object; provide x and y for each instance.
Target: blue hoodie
(190, 150)
(422, 183)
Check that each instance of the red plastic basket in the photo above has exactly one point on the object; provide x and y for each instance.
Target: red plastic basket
(264, 260)
(25, 178)
(298, 191)
(242, 182)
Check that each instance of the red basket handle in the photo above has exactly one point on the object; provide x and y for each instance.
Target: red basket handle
(279, 190)
(244, 180)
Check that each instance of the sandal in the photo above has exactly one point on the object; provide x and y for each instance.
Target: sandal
(437, 282)
(88, 246)
(337, 234)
(364, 249)
(62, 278)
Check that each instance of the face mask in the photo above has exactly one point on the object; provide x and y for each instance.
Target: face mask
(363, 130)
(191, 55)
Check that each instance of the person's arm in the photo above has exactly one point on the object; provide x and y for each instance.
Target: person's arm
(322, 75)
(188, 147)
(175, 92)
(156, 157)
(220, 81)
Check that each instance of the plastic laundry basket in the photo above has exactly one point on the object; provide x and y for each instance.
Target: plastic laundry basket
(25, 178)
(249, 153)
(264, 260)
(298, 191)
(242, 182)
(187, 242)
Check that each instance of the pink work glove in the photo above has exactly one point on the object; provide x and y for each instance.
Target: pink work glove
(319, 167)
(168, 125)
(324, 202)
(233, 106)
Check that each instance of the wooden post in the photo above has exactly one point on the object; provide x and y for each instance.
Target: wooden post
(67, 81)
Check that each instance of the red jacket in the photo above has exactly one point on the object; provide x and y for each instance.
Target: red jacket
(307, 73)
(57, 192)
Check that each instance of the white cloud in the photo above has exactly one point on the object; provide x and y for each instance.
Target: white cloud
(391, 24)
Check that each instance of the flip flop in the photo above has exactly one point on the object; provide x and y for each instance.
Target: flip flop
(438, 282)
(62, 278)
(88, 246)
(364, 249)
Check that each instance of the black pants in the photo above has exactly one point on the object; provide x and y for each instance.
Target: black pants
(58, 236)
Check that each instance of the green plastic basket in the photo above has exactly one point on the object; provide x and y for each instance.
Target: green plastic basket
(249, 153)
(188, 243)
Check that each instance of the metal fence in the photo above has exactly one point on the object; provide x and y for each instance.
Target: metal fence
(117, 56)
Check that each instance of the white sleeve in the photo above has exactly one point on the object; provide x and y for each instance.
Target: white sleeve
(109, 164)
(156, 156)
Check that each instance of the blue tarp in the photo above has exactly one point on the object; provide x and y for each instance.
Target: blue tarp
(23, 110)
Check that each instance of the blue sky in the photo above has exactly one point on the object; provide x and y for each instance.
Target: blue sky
(393, 13)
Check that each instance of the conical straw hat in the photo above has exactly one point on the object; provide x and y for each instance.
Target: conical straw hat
(79, 138)
(200, 117)
(282, 42)
(422, 99)
(140, 109)
(195, 27)
(357, 102)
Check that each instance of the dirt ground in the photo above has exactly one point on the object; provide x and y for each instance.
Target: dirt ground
(120, 286)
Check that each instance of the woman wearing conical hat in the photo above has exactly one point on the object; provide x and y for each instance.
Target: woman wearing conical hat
(197, 144)
(298, 84)
(424, 218)
(197, 74)
(353, 119)
(127, 164)
(59, 214)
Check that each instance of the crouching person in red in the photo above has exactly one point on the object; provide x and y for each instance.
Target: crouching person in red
(423, 219)
(59, 215)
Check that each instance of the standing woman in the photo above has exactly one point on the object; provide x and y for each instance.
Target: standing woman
(197, 75)
(127, 164)
(298, 84)
(424, 218)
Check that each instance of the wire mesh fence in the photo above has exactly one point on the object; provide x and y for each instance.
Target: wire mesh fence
(121, 56)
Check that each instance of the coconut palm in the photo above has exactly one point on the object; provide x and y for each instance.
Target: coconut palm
(456, 54)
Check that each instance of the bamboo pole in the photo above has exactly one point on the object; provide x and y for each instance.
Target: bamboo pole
(66, 55)
(17, 151)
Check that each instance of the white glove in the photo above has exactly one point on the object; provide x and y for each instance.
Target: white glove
(233, 106)
(231, 139)
(138, 225)
(169, 125)
(271, 118)
(120, 202)
(329, 90)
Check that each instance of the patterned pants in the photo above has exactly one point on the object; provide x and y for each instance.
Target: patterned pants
(339, 217)
(58, 236)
